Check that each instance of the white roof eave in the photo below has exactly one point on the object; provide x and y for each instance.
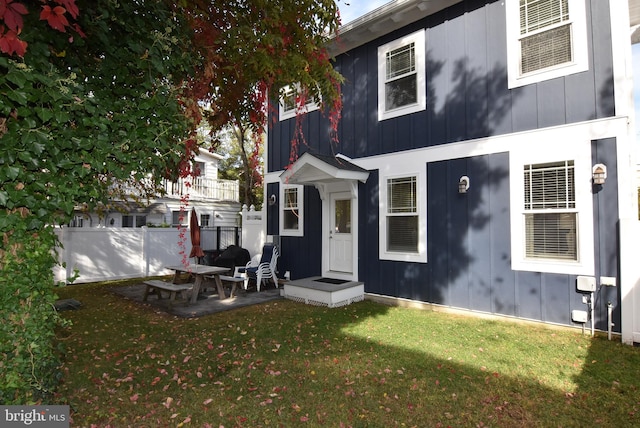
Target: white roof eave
(384, 20)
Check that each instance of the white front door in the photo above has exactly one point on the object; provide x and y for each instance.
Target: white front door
(340, 233)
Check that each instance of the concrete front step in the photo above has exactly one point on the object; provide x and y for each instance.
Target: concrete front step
(314, 291)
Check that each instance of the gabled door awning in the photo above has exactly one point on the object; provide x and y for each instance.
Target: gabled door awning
(317, 170)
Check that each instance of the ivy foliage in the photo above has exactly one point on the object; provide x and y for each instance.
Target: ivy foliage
(75, 120)
(85, 114)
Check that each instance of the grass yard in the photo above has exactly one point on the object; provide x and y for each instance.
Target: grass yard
(364, 365)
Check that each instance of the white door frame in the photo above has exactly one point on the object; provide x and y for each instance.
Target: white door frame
(326, 190)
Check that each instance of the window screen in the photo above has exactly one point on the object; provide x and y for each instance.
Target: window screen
(549, 210)
(401, 86)
(402, 215)
(290, 209)
(546, 34)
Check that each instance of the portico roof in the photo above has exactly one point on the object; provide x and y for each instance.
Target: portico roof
(313, 169)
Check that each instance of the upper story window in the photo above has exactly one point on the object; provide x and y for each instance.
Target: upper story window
(205, 220)
(291, 210)
(293, 102)
(198, 169)
(546, 39)
(401, 76)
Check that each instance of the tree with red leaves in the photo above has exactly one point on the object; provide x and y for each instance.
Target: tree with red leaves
(96, 93)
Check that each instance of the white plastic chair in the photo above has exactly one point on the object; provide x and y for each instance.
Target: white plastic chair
(263, 270)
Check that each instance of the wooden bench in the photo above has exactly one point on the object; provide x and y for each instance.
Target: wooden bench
(156, 286)
(233, 280)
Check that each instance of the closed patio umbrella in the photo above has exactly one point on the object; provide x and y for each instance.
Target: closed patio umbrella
(194, 227)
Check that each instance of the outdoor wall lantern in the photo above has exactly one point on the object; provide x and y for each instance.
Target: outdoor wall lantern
(599, 173)
(463, 184)
(272, 199)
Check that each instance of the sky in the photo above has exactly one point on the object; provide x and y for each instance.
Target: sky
(352, 9)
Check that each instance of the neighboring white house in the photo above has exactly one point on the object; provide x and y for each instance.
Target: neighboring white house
(217, 202)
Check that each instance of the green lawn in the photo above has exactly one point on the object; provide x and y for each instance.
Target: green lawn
(365, 365)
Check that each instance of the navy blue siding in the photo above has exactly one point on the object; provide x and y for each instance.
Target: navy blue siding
(302, 256)
(369, 241)
(469, 247)
(605, 215)
(467, 94)
(468, 236)
(273, 214)
(468, 243)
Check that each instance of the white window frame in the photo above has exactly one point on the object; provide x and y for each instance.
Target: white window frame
(562, 203)
(418, 39)
(185, 219)
(300, 209)
(285, 114)
(548, 152)
(415, 257)
(580, 62)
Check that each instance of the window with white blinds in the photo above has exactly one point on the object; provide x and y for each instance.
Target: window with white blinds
(401, 76)
(401, 80)
(550, 215)
(546, 39)
(545, 30)
(402, 214)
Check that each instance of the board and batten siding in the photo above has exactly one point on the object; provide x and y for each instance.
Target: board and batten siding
(467, 94)
(473, 125)
(469, 246)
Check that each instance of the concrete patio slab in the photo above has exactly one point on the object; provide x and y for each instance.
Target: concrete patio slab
(207, 303)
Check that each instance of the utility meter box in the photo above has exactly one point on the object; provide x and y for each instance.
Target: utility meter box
(579, 316)
(586, 284)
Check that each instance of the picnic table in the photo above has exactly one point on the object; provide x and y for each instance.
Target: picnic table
(200, 271)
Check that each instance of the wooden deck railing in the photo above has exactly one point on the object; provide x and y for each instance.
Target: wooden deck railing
(204, 188)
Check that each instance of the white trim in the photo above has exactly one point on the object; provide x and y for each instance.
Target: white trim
(300, 196)
(616, 127)
(578, 19)
(624, 106)
(418, 171)
(591, 130)
(627, 201)
(529, 144)
(339, 187)
(418, 38)
(578, 150)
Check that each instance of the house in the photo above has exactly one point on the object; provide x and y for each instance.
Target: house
(486, 162)
(216, 201)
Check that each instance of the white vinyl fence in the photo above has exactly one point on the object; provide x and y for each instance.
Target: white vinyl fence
(116, 253)
(101, 254)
